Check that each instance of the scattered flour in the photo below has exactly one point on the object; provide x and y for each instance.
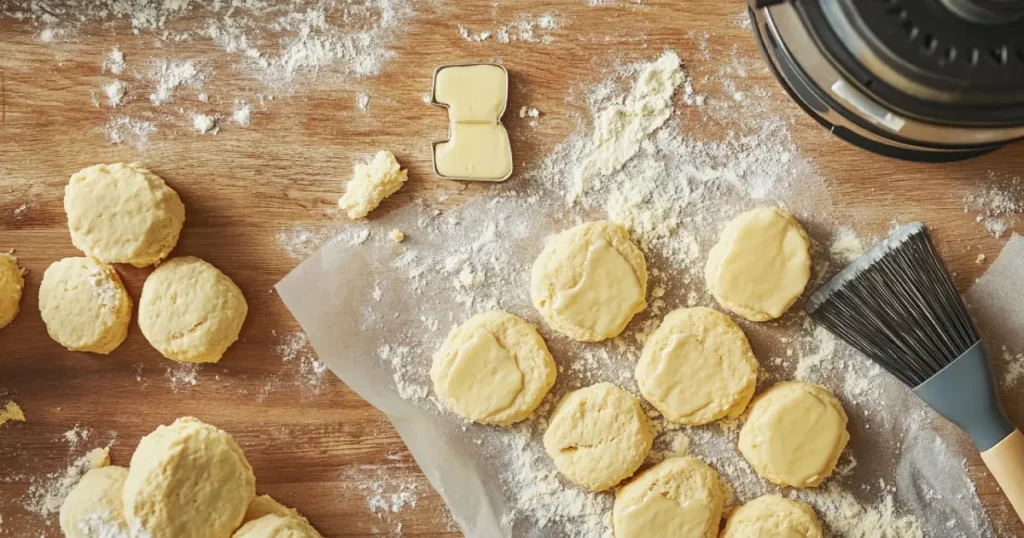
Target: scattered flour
(296, 352)
(21, 210)
(242, 114)
(409, 380)
(114, 62)
(205, 124)
(45, 496)
(363, 101)
(170, 75)
(123, 130)
(183, 375)
(846, 246)
(1013, 368)
(115, 93)
(524, 28)
(847, 517)
(76, 435)
(997, 207)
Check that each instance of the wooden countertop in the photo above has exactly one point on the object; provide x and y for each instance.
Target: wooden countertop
(245, 185)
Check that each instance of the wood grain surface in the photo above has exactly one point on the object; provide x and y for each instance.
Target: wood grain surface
(312, 449)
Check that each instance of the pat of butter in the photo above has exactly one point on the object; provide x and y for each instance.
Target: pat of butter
(474, 150)
(475, 93)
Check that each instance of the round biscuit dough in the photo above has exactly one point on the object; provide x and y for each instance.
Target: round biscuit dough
(94, 506)
(589, 281)
(187, 479)
(123, 213)
(598, 436)
(190, 311)
(760, 265)
(697, 367)
(267, 518)
(493, 369)
(773, 516)
(677, 498)
(84, 305)
(794, 434)
(12, 283)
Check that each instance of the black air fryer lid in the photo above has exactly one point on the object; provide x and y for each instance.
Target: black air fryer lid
(950, 61)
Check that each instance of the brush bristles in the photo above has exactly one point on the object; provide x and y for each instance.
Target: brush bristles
(898, 306)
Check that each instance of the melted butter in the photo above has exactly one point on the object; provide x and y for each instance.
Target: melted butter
(660, 517)
(485, 378)
(473, 93)
(688, 378)
(474, 150)
(606, 296)
(803, 433)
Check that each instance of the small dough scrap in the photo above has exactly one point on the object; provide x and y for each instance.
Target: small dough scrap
(589, 281)
(697, 367)
(474, 150)
(677, 498)
(267, 518)
(794, 434)
(123, 213)
(598, 436)
(760, 265)
(371, 183)
(12, 411)
(473, 93)
(94, 507)
(84, 305)
(773, 516)
(190, 311)
(12, 283)
(187, 479)
(396, 235)
(493, 369)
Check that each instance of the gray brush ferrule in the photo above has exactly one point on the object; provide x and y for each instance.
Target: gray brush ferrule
(964, 392)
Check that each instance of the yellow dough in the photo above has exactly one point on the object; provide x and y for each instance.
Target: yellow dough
(187, 479)
(590, 281)
(12, 283)
(677, 498)
(123, 213)
(773, 516)
(94, 508)
(84, 305)
(371, 183)
(494, 369)
(760, 265)
(794, 434)
(697, 367)
(267, 518)
(598, 436)
(190, 311)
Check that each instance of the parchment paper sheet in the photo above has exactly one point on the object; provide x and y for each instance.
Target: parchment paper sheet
(359, 293)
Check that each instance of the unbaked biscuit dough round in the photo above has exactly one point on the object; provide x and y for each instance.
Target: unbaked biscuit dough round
(190, 311)
(187, 479)
(760, 265)
(267, 518)
(773, 516)
(677, 498)
(94, 507)
(12, 283)
(589, 281)
(598, 436)
(494, 369)
(697, 367)
(794, 434)
(123, 213)
(84, 305)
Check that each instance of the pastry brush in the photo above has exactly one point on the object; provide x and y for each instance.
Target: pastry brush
(897, 305)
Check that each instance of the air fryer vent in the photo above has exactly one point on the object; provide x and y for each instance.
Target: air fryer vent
(927, 35)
